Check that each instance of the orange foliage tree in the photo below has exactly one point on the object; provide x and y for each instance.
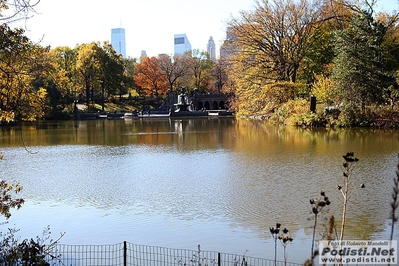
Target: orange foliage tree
(150, 77)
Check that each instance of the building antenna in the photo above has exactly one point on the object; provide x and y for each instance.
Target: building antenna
(120, 23)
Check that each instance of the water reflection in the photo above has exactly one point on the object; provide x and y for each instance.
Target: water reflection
(236, 175)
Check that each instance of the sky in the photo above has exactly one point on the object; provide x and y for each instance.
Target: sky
(149, 25)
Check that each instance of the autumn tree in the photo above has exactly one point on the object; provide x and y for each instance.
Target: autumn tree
(14, 49)
(88, 67)
(200, 66)
(334, 15)
(94, 70)
(270, 43)
(151, 77)
(174, 69)
(19, 62)
(20, 99)
(220, 74)
(275, 37)
(65, 72)
(7, 201)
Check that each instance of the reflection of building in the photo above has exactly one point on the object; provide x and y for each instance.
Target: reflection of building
(118, 41)
(211, 48)
(182, 44)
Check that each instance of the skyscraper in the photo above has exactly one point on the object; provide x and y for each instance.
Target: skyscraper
(229, 47)
(182, 44)
(118, 41)
(211, 48)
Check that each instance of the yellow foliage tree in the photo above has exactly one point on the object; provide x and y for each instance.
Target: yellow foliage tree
(324, 90)
(20, 68)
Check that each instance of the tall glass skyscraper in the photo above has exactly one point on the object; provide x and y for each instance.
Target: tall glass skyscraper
(182, 44)
(118, 41)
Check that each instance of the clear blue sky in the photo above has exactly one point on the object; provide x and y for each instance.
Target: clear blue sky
(150, 24)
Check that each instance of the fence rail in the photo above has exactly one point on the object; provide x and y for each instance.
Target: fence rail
(124, 254)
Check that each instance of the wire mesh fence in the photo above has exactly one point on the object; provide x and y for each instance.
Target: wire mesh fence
(125, 253)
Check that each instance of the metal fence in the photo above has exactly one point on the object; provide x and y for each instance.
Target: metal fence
(125, 253)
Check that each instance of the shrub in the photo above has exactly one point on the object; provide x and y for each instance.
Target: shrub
(288, 111)
(29, 251)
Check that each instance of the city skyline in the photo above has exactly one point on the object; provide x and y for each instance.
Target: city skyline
(149, 25)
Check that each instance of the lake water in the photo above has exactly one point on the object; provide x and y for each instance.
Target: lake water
(217, 182)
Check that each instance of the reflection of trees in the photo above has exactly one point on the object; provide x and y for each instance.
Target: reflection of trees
(363, 226)
(259, 173)
(294, 163)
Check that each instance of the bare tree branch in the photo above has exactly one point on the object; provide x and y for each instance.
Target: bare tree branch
(15, 10)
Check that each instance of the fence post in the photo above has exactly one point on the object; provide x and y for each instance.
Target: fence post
(124, 253)
(219, 259)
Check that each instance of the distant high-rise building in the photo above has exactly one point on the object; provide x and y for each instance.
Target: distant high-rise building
(211, 48)
(229, 47)
(118, 41)
(182, 44)
(143, 55)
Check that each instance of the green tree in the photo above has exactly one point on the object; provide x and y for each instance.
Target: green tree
(130, 65)
(358, 69)
(112, 72)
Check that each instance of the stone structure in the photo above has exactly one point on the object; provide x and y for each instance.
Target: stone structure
(209, 101)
